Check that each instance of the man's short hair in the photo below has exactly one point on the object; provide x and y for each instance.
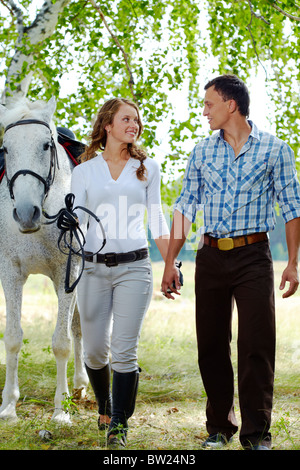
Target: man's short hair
(230, 87)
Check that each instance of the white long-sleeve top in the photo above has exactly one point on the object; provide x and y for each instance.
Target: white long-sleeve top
(120, 204)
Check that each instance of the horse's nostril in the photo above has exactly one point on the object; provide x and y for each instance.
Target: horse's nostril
(36, 214)
(27, 216)
(15, 215)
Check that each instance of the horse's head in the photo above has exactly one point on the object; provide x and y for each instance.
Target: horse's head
(30, 159)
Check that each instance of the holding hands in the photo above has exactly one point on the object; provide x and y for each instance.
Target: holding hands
(172, 280)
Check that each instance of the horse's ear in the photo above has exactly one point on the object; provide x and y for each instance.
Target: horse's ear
(49, 109)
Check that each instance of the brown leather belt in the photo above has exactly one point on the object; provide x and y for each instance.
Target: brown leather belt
(226, 244)
(113, 259)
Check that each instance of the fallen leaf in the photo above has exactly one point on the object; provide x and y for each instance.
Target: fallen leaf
(172, 410)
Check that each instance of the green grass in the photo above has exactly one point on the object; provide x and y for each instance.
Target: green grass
(170, 408)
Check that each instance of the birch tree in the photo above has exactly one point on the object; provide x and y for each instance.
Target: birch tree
(28, 45)
(153, 52)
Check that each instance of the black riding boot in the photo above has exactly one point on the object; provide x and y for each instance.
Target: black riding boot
(124, 392)
(100, 382)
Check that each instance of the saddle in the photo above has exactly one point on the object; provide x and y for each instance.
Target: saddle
(74, 148)
(67, 139)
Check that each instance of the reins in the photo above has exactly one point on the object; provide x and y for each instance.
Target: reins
(67, 222)
(53, 160)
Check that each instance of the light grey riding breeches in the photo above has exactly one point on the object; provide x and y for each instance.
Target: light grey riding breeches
(112, 303)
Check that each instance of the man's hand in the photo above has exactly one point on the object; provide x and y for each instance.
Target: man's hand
(290, 274)
(179, 230)
(171, 274)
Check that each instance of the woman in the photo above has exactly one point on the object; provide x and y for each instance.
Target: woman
(116, 287)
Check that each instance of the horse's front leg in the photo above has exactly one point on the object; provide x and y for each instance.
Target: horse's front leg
(13, 341)
(80, 376)
(61, 345)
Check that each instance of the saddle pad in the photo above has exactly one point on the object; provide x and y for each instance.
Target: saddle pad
(73, 149)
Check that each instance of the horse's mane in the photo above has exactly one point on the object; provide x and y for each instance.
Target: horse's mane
(23, 109)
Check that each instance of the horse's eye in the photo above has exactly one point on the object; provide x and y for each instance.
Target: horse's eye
(46, 146)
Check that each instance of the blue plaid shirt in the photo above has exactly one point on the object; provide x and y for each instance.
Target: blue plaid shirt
(237, 194)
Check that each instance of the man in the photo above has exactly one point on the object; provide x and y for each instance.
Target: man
(236, 175)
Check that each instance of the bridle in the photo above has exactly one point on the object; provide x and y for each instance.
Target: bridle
(66, 218)
(53, 160)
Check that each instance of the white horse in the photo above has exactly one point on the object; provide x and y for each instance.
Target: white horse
(37, 179)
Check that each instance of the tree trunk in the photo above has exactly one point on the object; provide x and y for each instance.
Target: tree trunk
(29, 39)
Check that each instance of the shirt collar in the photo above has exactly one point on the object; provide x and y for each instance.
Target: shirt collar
(254, 131)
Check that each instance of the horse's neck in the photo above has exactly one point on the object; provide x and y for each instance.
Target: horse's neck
(62, 181)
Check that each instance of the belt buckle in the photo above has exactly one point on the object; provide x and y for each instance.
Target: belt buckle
(110, 259)
(225, 244)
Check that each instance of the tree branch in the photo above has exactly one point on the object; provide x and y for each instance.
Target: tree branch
(114, 37)
(251, 35)
(8, 7)
(260, 17)
(285, 13)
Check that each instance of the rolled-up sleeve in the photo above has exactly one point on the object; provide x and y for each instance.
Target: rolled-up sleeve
(188, 202)
(286, 184)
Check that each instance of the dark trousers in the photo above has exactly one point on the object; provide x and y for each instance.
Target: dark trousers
(245, 275)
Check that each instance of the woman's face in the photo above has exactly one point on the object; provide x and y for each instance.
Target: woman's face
(125, 126)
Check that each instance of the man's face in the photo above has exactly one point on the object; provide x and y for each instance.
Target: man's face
(216, 109)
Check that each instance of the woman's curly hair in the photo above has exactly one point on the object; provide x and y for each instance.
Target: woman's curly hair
(98, 135)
